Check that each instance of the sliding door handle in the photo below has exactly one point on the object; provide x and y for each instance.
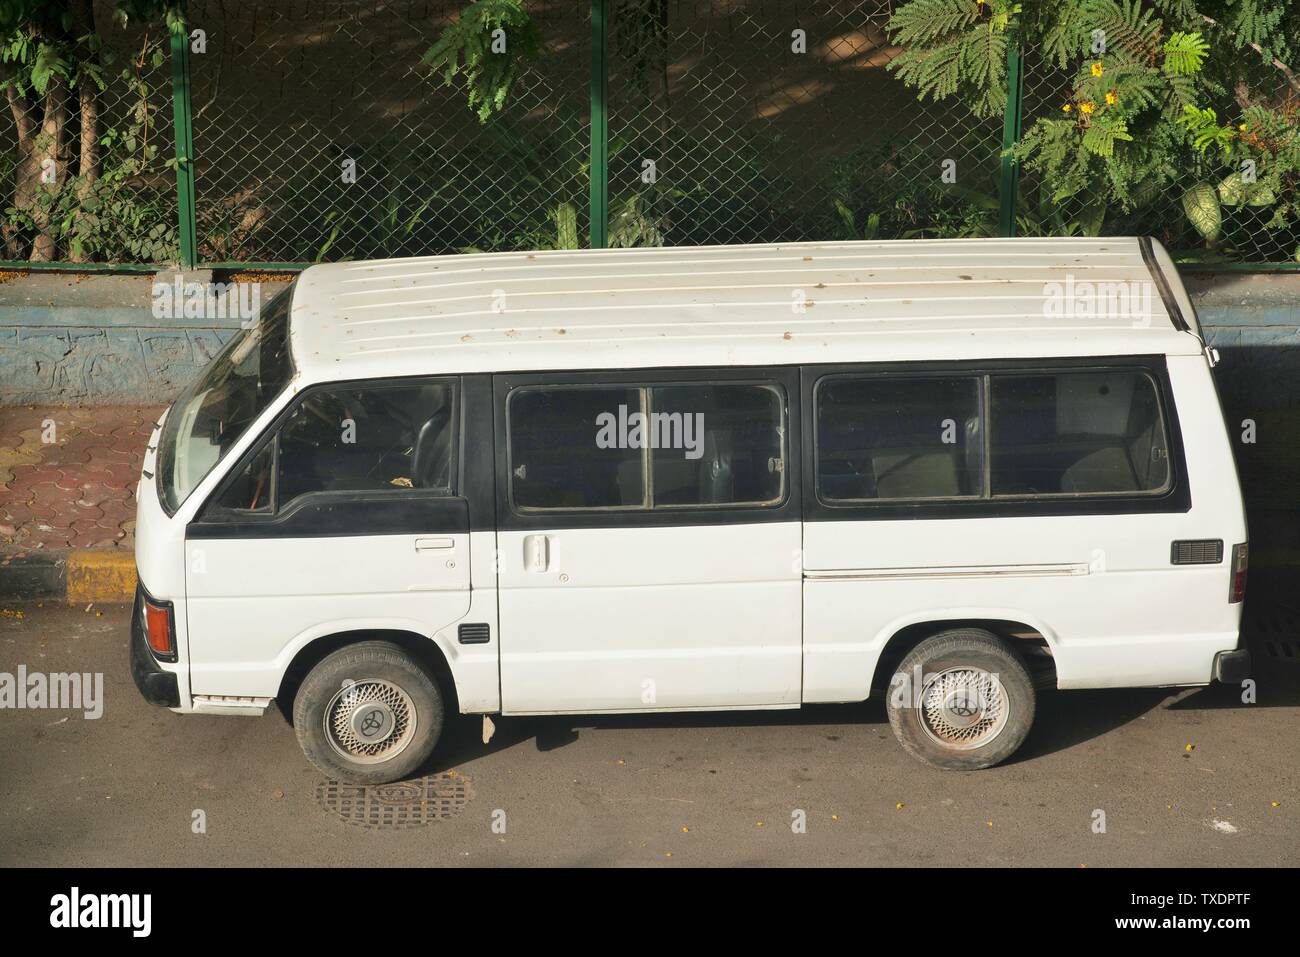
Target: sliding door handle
(537, 553)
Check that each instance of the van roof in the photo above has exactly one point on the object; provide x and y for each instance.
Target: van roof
(786, 303)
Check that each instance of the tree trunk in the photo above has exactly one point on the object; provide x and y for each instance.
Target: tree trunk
(88, 163)
(51, 145)
(27, 173)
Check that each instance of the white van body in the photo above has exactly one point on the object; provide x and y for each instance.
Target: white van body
(622, 610)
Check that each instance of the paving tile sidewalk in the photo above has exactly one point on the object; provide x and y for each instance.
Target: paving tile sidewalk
(78, 490)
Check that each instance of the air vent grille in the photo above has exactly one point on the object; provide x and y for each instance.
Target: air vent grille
(477, 633)
(1202, 551)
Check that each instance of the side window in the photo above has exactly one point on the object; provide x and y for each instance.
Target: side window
(556, 460)
(1072, 433)
(368, 439)
(647, 447)
(717, 445)
(884, 438)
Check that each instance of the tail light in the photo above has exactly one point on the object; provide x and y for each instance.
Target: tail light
(159, 627)
(1237, 590)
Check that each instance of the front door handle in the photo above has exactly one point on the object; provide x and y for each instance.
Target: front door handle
(432, 544)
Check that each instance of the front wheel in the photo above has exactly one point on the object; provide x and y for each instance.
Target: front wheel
(961, 700)
(368, 714)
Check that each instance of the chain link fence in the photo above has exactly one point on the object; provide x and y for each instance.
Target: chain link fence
(735, 121)
(84, 169)
(319, 134)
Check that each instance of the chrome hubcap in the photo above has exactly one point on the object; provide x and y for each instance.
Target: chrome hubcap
(370, 721)
(963, 708)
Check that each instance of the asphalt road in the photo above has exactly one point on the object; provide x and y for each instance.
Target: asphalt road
(708, 789)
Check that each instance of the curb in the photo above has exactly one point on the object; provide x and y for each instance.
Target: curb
(75, 576)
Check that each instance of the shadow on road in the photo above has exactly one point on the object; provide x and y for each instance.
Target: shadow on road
(1270, 627)
(1065, 718)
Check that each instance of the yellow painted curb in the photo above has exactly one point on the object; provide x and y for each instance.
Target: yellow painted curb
(101, 576)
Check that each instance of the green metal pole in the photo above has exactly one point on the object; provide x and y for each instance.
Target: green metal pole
(599, 204)
(182, 118)
(1011, 128)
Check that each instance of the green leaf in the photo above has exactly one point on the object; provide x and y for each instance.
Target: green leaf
(1201, 204)
(1233, 191)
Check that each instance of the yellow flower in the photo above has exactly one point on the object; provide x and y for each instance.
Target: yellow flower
(1112, 98)
(1065, 108)
(1242, 127)
(1087, 106)
(1098, 69)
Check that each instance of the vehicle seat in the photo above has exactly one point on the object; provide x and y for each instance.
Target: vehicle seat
(1105, 470)
(923, 475)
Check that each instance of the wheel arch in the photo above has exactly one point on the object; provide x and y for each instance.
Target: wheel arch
(422, 648)
(1036, 644)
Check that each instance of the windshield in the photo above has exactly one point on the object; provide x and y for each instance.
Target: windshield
(234, 388)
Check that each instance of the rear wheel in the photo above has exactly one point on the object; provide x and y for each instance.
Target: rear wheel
(368, 714)
(961, 700)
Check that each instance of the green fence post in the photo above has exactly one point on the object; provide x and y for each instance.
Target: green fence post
(182, 119)
(599, 205)
(1011, 127)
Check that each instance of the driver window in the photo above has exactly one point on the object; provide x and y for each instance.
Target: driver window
(367, 439)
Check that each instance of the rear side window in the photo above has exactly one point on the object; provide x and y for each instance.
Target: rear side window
(893, 438)
(1076, 433)
(647, 447)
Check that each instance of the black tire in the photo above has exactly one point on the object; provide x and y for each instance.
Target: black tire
(997, 707)
(368, 687)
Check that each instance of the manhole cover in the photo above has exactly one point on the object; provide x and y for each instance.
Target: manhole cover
(405, 804)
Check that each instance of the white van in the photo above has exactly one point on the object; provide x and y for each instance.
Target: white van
(950, 474)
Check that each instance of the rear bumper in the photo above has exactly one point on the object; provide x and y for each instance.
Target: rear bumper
(1232, 667)
(154, 684)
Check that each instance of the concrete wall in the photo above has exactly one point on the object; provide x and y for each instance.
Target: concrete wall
(95, 340)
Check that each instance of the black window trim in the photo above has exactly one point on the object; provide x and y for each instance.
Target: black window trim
(1174, 498)
(785, 379)
(211, 513)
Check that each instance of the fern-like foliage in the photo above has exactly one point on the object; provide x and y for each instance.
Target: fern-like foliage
(486, 46)
(954, 46)
(1184, 53)
(1100, 137)
(1206, 133)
